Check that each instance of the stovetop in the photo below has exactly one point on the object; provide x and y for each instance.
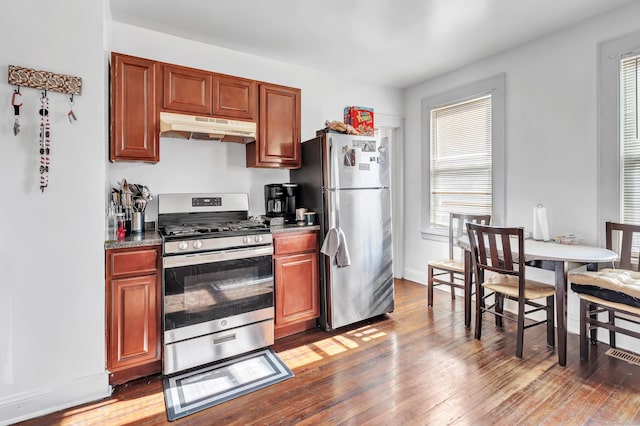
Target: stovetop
(191, 223)
(213, 230)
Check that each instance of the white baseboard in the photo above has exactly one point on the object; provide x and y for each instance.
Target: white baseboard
(419, 277)
(45, 400)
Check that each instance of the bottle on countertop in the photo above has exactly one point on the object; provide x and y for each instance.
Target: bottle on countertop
(112, 223)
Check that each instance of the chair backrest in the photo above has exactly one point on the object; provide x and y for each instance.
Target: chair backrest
(493, 250)
(625, 233)
(458, 226)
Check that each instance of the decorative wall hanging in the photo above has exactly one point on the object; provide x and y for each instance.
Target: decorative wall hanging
(47, 81)
(71, 115)
(16, 101)
(45, 141)
(44, 80)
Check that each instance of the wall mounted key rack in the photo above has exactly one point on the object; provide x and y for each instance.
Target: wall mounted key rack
(44, 80)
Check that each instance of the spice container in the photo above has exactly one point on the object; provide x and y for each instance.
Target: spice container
(122, 231)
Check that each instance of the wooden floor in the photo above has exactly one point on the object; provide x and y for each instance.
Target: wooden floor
(414, 366)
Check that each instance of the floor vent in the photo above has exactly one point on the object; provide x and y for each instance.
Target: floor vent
(625, 356)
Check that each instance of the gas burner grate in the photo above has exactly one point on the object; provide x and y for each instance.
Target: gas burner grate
(211, 228)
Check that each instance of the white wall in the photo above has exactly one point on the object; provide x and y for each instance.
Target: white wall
(551, 134)
(52, 347)
(52, 258)
(204, 166)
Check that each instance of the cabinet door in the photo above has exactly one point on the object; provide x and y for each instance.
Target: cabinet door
(187, 90)
(235, 97)
(278, 144)
(133, 321)
(296, 281)
(134, 118)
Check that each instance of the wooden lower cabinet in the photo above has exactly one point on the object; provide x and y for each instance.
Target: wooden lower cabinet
(297, 289)
(133, 308)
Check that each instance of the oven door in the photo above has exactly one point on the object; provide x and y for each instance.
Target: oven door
(205, 293)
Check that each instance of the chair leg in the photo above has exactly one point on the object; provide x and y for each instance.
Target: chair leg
(451, 288)
(584, 325)
(612, 322)
(593, 316)
(551, 329)
(520, 339)
(499, 299)
(430, 286)
(479, 308)
(468, 284)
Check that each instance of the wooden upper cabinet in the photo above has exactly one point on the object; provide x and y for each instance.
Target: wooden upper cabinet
(134, 117)
(235, 97)
(187, 90)
(278, 143)
(141, 88)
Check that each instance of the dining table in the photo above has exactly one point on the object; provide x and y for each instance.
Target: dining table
(552, 256)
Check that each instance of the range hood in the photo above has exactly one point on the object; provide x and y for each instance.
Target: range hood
(206, 128)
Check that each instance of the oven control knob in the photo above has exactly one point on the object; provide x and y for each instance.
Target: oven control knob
(258, 239)
(246, 240)
(197, 244)
(182, 245)
(223, 323)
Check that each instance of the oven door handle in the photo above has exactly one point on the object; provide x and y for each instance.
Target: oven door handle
(218, 256)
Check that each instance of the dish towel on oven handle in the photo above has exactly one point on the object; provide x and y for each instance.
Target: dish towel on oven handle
(335, 244)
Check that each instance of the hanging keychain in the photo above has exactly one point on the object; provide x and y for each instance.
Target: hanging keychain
(16, 101)
(71, 115)
(45, 141)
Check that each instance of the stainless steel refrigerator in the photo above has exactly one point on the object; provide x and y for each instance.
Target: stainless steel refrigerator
(345, 179)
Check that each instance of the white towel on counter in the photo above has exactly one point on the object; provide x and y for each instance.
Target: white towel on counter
(335, 244)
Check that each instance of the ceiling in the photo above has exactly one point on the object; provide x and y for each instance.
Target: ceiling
(384, 42)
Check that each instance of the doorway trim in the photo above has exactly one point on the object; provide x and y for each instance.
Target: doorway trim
(396, 125)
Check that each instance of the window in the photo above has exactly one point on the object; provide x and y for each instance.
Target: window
(618, 145)
(629, 142)
(463, 154)
(460, 159)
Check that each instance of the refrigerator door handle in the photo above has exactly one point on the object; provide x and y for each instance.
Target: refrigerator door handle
(333, 192)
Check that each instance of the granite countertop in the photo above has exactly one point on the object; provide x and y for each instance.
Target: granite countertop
(147, 238)
(280, 229)
(152, 237)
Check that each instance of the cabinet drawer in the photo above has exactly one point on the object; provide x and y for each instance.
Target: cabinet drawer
(294, 243)
(137, 261)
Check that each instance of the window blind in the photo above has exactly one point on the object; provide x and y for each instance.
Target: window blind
(461, 163)
(630, 142)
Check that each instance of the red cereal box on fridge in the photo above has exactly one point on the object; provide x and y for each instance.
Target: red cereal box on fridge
(361, 118)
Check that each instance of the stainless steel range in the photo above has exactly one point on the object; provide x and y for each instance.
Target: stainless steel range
(217, 279)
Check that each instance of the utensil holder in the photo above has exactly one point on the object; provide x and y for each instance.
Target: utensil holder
(137, 222)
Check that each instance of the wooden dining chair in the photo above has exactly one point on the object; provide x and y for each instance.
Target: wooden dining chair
(614, 291)
(450, 271)
(499, 265)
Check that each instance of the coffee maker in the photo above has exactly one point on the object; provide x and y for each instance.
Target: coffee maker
(280, 201)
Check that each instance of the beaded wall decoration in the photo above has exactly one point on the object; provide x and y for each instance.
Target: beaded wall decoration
(47, 81)
(45, 141)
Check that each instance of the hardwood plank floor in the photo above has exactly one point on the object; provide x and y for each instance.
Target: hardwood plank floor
(414, 366)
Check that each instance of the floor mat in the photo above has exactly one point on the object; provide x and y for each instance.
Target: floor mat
(195, 390)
